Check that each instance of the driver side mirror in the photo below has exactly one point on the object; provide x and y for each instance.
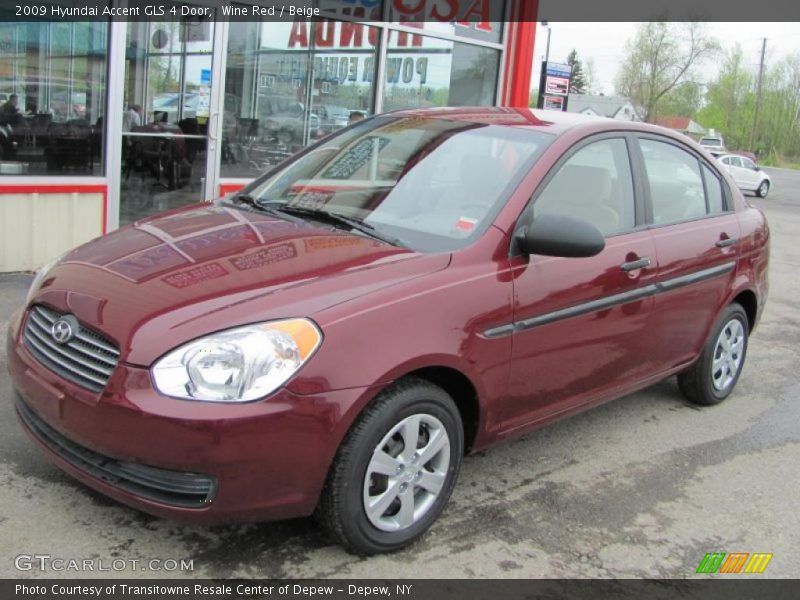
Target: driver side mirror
(560, 235)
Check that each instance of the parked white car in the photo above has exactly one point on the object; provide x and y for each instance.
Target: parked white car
(747, 174)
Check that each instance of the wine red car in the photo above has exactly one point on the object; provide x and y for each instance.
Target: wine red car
(334, 338)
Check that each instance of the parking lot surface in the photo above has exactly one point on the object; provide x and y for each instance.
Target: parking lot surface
(641, 487)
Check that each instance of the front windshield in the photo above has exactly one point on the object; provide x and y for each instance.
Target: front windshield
(432, 184)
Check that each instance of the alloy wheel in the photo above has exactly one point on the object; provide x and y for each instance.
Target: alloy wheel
(406, 473)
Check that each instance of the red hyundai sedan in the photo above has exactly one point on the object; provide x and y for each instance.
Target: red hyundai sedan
(337, 336)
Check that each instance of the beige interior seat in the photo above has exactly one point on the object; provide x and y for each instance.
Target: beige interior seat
(581, 192)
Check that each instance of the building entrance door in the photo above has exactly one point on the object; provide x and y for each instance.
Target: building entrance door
(169, 117)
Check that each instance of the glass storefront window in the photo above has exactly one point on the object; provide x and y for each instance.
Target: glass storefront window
(289, 84)
(424, 71)
(52, 98)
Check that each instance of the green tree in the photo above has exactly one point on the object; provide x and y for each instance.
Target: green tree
(684, 100)
(660, 57)
(579, 84)
(730, 100)
(777, 132)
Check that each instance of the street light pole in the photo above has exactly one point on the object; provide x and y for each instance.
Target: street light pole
(542, 74)
(547, 52)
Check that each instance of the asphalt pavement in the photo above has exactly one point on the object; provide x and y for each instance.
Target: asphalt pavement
(640, 487)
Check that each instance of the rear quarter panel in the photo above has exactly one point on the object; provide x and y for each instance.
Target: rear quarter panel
(752, 271)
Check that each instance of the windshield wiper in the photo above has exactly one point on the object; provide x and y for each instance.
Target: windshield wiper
(274, 207)
(334, 219)
(268, 206)
(246, 199)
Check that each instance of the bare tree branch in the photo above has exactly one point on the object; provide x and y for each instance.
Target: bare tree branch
(659, 61)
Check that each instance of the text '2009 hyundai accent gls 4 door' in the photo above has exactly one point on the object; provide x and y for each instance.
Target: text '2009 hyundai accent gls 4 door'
(334, 338)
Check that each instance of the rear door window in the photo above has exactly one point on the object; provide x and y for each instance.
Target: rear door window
(676, 184)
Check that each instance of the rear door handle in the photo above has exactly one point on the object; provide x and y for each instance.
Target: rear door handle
(632, 265)
(726, 242)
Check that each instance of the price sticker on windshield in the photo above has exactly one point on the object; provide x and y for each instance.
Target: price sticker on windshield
(466, 224)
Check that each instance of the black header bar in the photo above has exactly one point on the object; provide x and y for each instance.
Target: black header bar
(465, 11)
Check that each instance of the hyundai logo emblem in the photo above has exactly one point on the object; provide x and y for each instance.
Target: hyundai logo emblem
(62, 331)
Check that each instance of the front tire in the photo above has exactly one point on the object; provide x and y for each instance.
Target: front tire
(395, 470)
(763, 189)
(712, 378)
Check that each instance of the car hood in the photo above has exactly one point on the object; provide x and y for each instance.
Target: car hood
(168, 279)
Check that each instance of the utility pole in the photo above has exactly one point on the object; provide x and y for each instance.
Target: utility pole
(758, 94)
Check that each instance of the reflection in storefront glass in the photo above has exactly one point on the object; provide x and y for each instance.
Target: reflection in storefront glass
(289, 84)
(166, 116)
(52, 97)
(474, 19)
(344, 73)
(168, 70)
(424, 72)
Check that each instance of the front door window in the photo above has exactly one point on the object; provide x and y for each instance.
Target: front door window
(594, 184)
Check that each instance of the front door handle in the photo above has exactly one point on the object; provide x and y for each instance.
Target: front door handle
(724, 243)
(632, 265)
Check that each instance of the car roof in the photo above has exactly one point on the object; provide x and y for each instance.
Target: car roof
(546, 121)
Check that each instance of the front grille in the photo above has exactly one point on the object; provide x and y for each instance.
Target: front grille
(88, 359)
(174, 488)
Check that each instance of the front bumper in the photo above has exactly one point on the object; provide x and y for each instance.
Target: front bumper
(262, 460)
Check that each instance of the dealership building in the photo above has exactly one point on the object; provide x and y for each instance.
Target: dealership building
(106, 122)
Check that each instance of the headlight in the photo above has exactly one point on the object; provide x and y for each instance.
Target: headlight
(41, 273)
(237, 365)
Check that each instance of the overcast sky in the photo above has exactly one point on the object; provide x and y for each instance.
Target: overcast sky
(605, 43)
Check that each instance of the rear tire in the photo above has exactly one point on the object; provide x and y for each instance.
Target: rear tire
(381, 493)
(712, 378)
